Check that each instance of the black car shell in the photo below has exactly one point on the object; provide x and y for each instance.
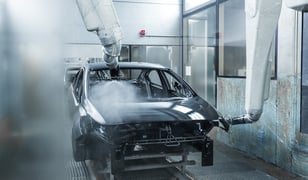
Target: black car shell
(165, 115)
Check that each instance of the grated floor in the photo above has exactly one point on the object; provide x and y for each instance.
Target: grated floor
(77, 171)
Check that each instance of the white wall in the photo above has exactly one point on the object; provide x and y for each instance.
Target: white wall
(162, 19)
(157, 17)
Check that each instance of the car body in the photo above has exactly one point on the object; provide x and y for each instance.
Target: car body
(144, 109)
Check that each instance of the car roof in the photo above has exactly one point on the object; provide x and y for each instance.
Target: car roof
(143, 65)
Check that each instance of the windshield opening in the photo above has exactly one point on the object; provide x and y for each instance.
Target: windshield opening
(137, 84)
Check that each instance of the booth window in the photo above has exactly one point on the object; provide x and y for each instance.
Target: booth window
(199, 48)
(232, 40)
(304, 92)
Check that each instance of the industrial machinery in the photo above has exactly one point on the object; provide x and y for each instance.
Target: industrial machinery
(261, 23)
(100, 17)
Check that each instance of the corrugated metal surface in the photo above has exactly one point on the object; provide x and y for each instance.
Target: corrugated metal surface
(77, 171)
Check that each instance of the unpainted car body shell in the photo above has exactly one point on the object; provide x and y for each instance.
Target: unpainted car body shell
(154, 125)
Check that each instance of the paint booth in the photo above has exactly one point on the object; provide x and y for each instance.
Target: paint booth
(250, 69)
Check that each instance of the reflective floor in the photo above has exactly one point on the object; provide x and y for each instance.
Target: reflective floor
(229, 163)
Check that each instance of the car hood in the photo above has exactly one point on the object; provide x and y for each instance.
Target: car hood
(155, 110)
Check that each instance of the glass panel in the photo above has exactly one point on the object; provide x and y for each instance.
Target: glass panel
(159, 55)
(124, 56)
(138, 53)
(168, 56)
(304, 117)
(232, 40)
(199, 52)
(189, 4)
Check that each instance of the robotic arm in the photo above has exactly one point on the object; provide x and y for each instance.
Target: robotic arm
(261, 23)
(99, 16)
